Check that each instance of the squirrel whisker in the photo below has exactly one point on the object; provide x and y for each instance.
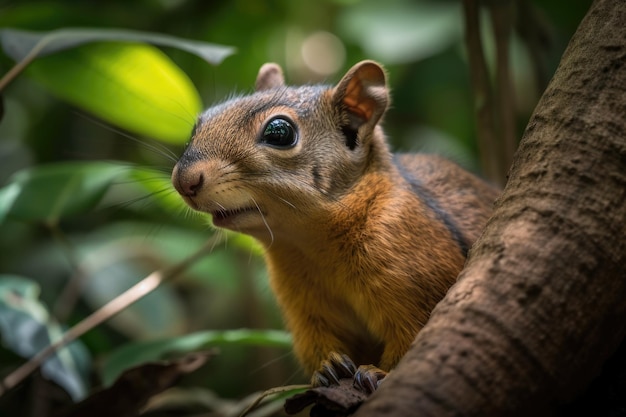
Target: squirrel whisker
(269, 229)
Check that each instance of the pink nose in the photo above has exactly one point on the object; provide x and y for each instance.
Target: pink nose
(187, 181)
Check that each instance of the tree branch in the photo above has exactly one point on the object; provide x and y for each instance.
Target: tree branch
(540, 304)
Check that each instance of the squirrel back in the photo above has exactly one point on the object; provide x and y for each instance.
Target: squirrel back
(360, 243)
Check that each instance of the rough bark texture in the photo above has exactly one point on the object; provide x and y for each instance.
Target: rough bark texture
(542, 301)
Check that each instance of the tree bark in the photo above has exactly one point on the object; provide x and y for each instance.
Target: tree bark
(541, 304)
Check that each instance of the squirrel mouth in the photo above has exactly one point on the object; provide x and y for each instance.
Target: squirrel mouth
(223, 217)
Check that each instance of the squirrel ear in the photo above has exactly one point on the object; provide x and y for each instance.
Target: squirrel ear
(362, 95)
(270, 76)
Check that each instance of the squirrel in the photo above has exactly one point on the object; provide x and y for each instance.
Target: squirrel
(360, 243)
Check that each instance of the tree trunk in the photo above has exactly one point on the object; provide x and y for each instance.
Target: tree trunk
(541, 304)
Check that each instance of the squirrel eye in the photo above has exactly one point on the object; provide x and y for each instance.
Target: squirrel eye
(279, 133)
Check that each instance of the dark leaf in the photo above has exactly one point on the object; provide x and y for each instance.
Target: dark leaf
(50, 192)
(132, 390)
(26, 329)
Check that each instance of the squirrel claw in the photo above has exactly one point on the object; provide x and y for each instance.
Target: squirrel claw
(336, 367)
(368, 377)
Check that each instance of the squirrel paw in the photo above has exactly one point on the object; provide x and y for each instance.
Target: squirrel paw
(336, 367)
(366, 378)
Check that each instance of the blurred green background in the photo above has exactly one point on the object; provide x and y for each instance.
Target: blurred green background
(82, 260)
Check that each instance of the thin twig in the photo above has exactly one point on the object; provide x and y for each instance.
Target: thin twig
(501, 22)
(113, 307)
(483, 98)
(20, 66)
(271, 391)
(538, 35)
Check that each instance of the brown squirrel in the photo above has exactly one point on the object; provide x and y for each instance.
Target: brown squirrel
(360, 243)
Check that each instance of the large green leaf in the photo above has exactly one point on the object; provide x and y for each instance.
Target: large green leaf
(136, 353)
(26, 328)
(50, 192)
(133, 86)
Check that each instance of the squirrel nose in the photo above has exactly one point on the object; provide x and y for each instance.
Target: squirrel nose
(187, 181)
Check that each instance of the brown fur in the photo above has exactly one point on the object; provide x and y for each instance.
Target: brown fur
(360, 244)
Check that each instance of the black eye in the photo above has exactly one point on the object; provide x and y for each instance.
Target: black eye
(279, 133)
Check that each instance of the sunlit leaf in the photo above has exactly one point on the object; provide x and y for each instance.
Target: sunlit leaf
(48, 193)
(133, 86)
(136, 353)
(246, 243)
(26, 329)
(18, 44)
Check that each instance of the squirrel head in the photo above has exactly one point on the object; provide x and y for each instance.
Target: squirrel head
(262, 162)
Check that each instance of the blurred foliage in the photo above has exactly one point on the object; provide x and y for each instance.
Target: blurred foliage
(75, 230)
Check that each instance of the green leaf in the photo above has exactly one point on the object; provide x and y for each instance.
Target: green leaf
(18, 44)
(133, 86)
(27, 328)
(136, 353)
(50, 192)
